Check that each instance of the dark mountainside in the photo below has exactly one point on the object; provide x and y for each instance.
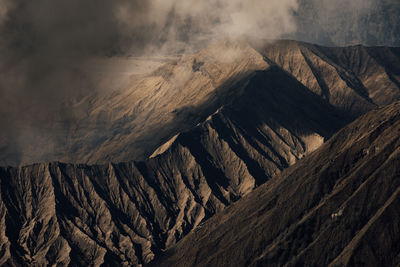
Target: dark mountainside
(354, 79)
(269, 108)
(339, 206)
(132, 123)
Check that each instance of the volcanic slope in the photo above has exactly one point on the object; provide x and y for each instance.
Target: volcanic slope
(132, 122)
(354, 79)
(339, 206)
(129, 212)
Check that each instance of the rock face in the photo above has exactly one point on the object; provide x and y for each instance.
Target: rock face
(132, 123)
(339, 206)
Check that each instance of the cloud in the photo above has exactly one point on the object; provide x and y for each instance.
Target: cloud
(192, 21)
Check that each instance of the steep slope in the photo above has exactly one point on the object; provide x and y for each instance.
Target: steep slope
(339, 206)
(127, 213)
(131, 123)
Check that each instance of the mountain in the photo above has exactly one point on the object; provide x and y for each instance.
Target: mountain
(152, 107)
(215, 126)
(337, 207)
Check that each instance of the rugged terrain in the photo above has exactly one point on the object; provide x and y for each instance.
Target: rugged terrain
(339, 206)
(212, 127)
